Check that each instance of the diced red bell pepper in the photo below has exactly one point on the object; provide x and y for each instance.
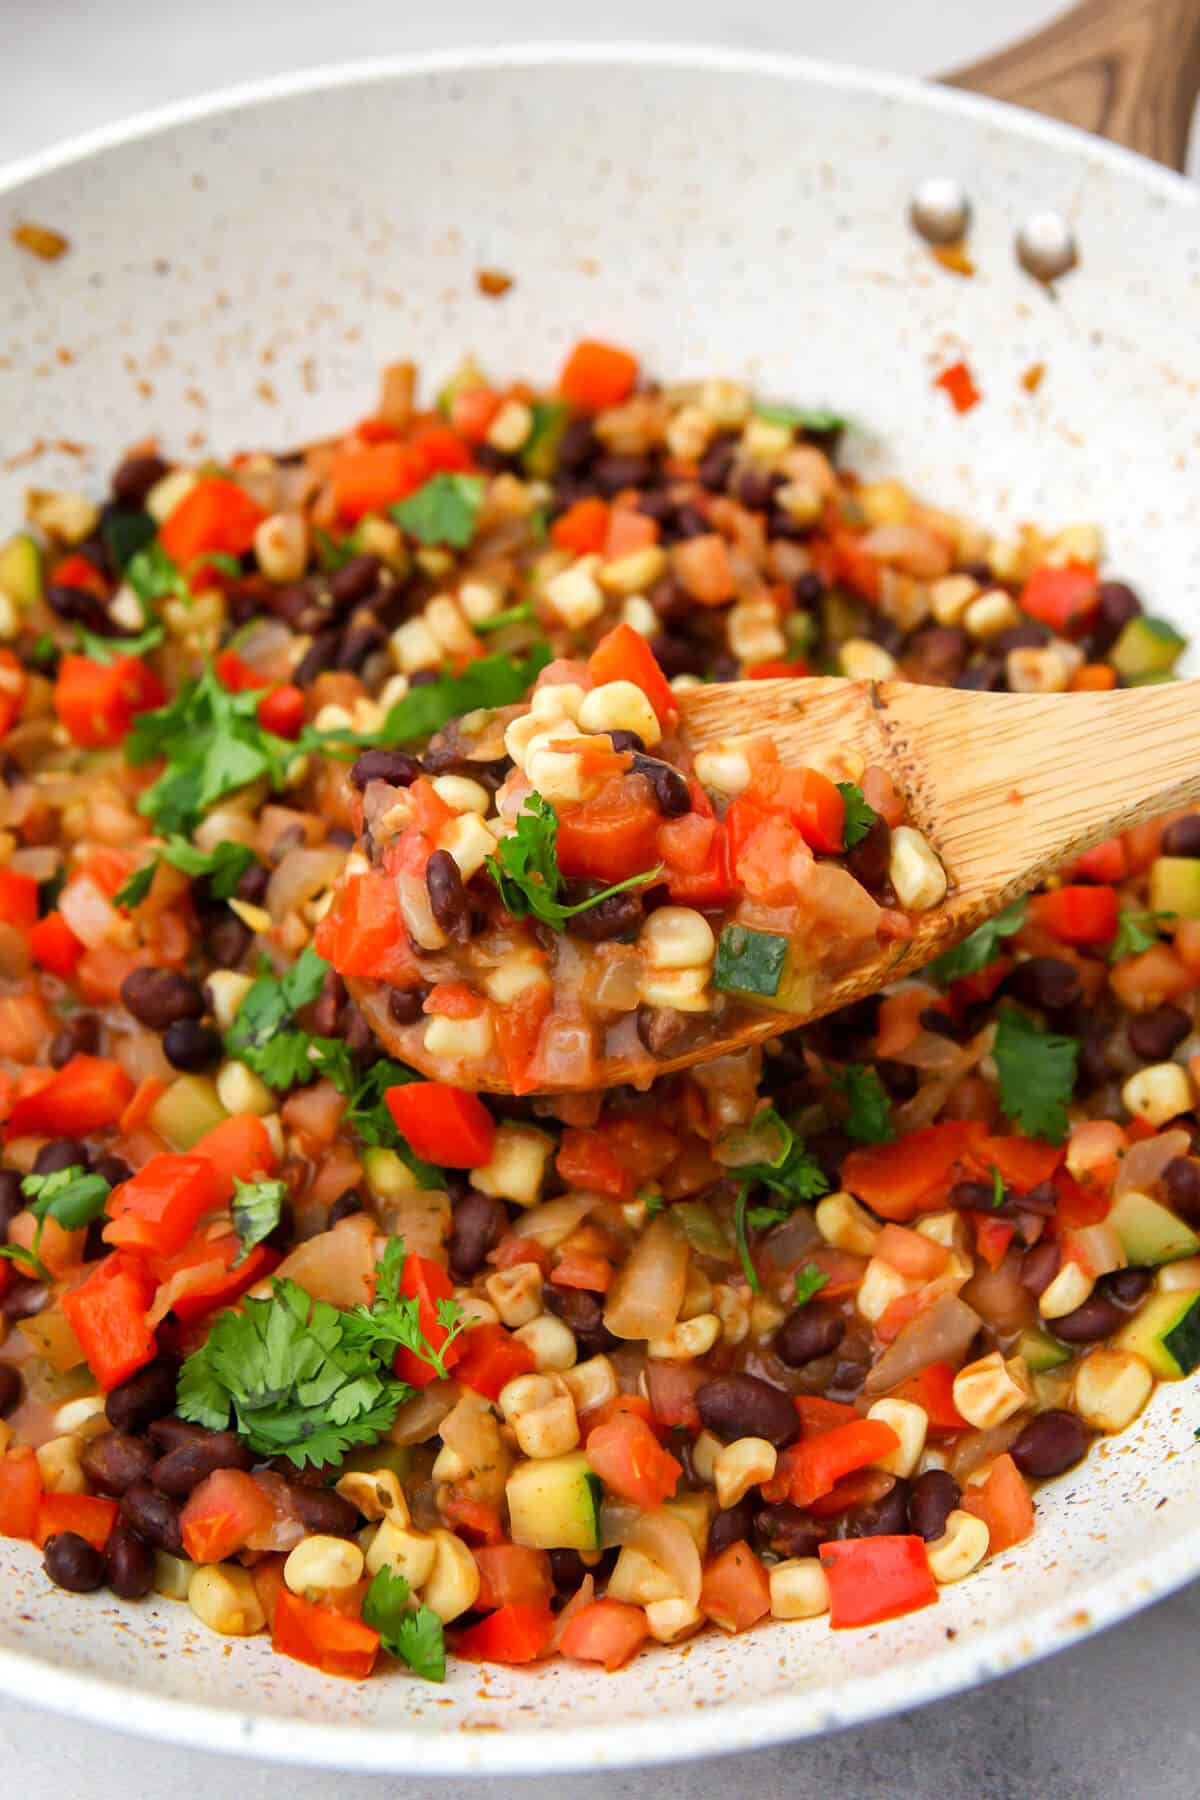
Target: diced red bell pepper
(96, 702)
(607, 1631)
(159, 1208)
(14, 684)
(88, 1093)
(443, 1124)
(108, 1316)
(77, 572)
(1023, 1163)
(913, 1175)
(363, 932)
(472, 411)
(810, 1468)
(862, 1487)
(514, 1634)
(511, 1575)
(235, 675)
(202, 1277)
(630, 1461)
(238, 1148)
(518, 1028)
(875, 1578)
(735, 1591)
(18, 899)
(1106, 862)
(222, 1514)
(624, 655)
(818, 1414)
(806, 797)
(491, 1358)
(87, 1515)
(596, 376)
(368, 478)
(578, 1270)
(54, 946)
(1080, 1204)
(992, 1238)
(773, 671)
(426, 1282)
(282, 710)
(762, 847)
(216, 515)
(326, 1640)
(1063, 598)
(1004, 1504)
(933, 1388)
(960, 385)
(583, 528)
(1077, 915)
(20, 1493)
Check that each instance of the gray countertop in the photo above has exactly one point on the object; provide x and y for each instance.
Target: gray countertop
(1117, 1709)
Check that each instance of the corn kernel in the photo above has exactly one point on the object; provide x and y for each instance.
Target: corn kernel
(511, 427)
(990, 1390)
(469, 842)
(723, 768)
(462, 795)
(670, 1621)
(453, 1586)
(689, 1338)
(640, 616)
(449, 627)
(950, 596)
(634, 573)
(991, 613)
(281, 546)
(58, 1460)
(727, 403)
(689, 433)
(516, 1293)
(910, 1423)
(684, 989)
(740, 1466)
(798, 1589)
(1158, 1093)
(753, 630)
(402, 1550)
(226, 989)
(323, 1562)
(573, 596)
(639, 1581)
(552, 1343)
(549, 1430)
(862, 660)
(677, 937)
(1111, 1388)
(846, 1225)
(240, 1090)
(1069, 1289)
(1045, 669)
(620, 706)
(470, 1039)
(557, 775)
(226, 1600)
(961, 1548)
(413, 647)
(915, 871)
(518, 1166)
(376, 1493)
(880, 1285)
(591, 1383)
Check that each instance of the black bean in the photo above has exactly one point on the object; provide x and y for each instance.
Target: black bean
(611, 472)
(12, 1200)
(477, 1225)
(583, 1315)
(1054, 1441)
(355, 580)
(811, 1331)
(72, 1563)
(113, 1461)
(735, 1406)
(1039, 1266)
(898, 1078)
(1097, 1318)
(447, 896)
(154, 1516)
(626, 740)
(24, 1299)
(169, 1432)
(113, 1169)
(78, 606)
(725, 667)
(407, 1004)
(1029, 635)
(344, 1207)
(987, 676)
(1181, 1184)
(690, 522)
(1118, 604)
(61, 1153)
(11, 1388)
(1128, 1286)
(147, 1395)
(567, 1570)
(671, 794)
(657, 504)
(1047, 982)
(322, 1510)
(831, 1148)
(886, 1517)
(660, 1028)
(79, 1036)
(868, 861)
(159, 997)
(754, 488)
(734, 1525)
(971, 1196)
(303, 606)
(1095, 1064)
(716, 465)
(396, 767)
(178, 1471)
(133, 478)
(1154, 1035)
(1182, 837)
(128, 1564)
(933, 1497)
(943, 651)
(360, 639)
(190, 1046)
(318, 657)
(577, 445)
(789, 1531)
(618, 915)
(1042, 1200)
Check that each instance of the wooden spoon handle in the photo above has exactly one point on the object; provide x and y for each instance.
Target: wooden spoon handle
(1128, 70)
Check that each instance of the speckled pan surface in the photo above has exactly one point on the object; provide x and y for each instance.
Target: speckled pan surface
(237, 273)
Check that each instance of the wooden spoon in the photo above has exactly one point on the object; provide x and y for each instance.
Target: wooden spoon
(1006, 787)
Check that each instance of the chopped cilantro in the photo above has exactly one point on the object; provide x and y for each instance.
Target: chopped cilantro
(264, 1035)
(367, 1114)
(488, 682)
(513, 615)
(859, 816)
(443, 510)
(393, 1322)
(525, 869)
(224, 866)
(870, 1116)
(652, 1202)
(257, 1210)
(153, 576)
(125, 532)
(997, 1189)
(71, 1197)
(44, 653)
(1036, 1072)
(805, 418)
(107, 650)
(334, 553)
(809, 1281)
(980, 948)
(411, 1633)
(1136, 932)
(793, 1174)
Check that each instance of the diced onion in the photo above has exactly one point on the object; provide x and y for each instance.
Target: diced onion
(89, 913)
(419, 1418)
(666, 1540)
(617, 1520)
(1142, 1164)
(335, 1265)
(300, 875)
(645, 1298)
(942, 1334)
(549, 1224)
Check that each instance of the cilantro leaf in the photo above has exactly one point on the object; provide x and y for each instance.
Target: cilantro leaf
(997, 1189)
(412, 1634)
(334, 553)
(263, 1035)
(71, 1197)
(809, 1281)
(526, 872)
(443, 510)
(224, 866)
(393, 1321)
(1036, 1072)
(806, 418)
(488, 682)
(859, 816)
(513, 615)
(793, 1173)
(653, 1203)
(107, 650)
(980, 948)
(367, 1114)
(153, 575)
(870, 1118)
(257, 1210)
(1136, 932)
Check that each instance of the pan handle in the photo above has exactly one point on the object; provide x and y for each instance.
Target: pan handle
(1128, 70)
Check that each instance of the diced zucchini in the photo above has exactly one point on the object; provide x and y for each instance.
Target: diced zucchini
(388, 1175)
(1150, 1233)
(186, 1111)
(703, 1230)
(1175, 886)
(554, 1503)
(125, 533)
(1041, 1351)
(749, 962)
(843, 616)
(21, 570)
(370, 1457)
(1166, 1331)
(172, 1575)
(1146, 647)
(539, 458)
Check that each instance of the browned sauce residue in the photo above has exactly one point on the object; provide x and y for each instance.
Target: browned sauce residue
(953, 257)
(493, 282)
(40, 240)
(1033, 376)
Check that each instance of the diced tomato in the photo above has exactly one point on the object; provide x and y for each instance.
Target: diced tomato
(14, 684)
(77, 572)
(1023, 1163)
(624, 655)
(992, 1238)
(88, 1093)
(772, 671)
(472, 411)
(238, 1148)
(513, 1249)
(1080, 1205)
(18, 899)
(1107, 862)
(912, 1176)
(583, 528)
(702, 568)
(517, 1029)
(282, 711)
(630, 1461)
(491, 1358)
(876, 1578)
(1004, 1504)
(20, 1493)
(476, 1520)
(235, 674)
(593, 1274)
(960, 385)
(1077, 915)
(1063, 598)
(806, 797)
(810, 1468)
(735, 1592)
(672, 1387)
(443, 1124)
(697, 854)
(513, 1634)
(587, 1159)
(108, 1316)
(818, 1414)
(368, 478)
(427, 1283)
(216, 515)
(610, 836)
(607, 1631)
(96, 702)
(324, 1639)
(511, 1575)
(206, 1274)
(160, 1207)
(933, 1388)
(761, 848)
(596, 376)
(454, 1000)
(363, 932)
(917, 1257)
(87, 1515)
(222, 1514)
(628, 530)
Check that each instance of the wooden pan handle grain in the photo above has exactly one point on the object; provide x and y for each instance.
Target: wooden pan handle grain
(1128, 70)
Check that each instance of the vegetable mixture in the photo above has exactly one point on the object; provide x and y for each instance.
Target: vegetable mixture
(309, 759)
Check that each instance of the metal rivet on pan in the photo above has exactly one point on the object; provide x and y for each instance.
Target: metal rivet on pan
(940, 210)
(1046, 246)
